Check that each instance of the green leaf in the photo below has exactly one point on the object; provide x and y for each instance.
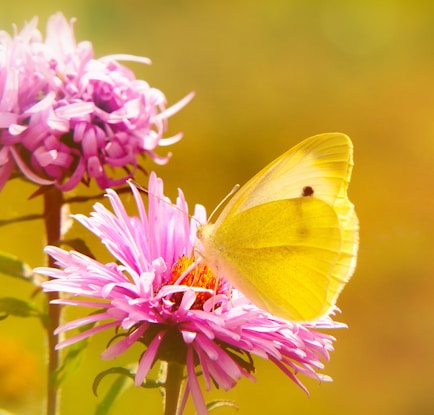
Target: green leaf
(73, 357)
(126, 373)
(79, 245)
(117, 387)
(220, 403)
(19, 308)
(71, 361)
(113, 370)
(14, 267)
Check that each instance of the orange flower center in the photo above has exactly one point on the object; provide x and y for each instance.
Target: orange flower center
(199, 276)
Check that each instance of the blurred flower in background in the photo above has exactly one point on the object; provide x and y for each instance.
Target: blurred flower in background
(19, 375)
(66, 117)
(158, 293)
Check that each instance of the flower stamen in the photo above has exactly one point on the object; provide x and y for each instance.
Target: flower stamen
(200, 276)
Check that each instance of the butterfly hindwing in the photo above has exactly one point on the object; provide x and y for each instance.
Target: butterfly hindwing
(286, 265)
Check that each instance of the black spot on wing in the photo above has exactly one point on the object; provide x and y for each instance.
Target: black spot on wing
(307, 191)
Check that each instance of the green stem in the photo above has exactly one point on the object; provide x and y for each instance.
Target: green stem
(53, 200)
(172, 390)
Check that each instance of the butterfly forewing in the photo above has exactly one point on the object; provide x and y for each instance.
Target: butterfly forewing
(322, 162)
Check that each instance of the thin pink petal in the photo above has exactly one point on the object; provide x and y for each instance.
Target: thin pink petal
(148, 358)
(193, 385)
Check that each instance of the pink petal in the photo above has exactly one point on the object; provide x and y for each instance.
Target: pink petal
(148, 358)
(193, 384)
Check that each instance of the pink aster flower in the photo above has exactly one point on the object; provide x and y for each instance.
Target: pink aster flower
(67, 117)
(159, 293)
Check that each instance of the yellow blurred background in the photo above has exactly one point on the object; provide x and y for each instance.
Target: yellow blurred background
(267, 75)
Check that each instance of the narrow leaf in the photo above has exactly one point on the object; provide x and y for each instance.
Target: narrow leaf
(71, 361)
(19, 308)
(117, 387)
(113, 370)
(221, 403)
(79, 245)
(73, 357)
(125, 372)
(14, 267)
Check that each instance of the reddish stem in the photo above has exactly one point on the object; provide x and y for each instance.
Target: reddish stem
(53, 200)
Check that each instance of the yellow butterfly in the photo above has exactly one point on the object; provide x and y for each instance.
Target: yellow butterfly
(288, 238)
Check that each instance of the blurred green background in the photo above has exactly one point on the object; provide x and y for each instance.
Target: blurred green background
(267, 75)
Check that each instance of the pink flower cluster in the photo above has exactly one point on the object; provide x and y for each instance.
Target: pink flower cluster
(66, 117)
(157, 292)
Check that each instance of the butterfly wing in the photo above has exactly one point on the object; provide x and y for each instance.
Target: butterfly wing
(322, 162)
(284, 263)
(319, 168)
(346, 264)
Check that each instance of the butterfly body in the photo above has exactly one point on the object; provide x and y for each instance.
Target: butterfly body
(288, 238)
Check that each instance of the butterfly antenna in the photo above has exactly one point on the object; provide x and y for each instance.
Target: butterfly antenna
(230, 194)
(139, 186)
